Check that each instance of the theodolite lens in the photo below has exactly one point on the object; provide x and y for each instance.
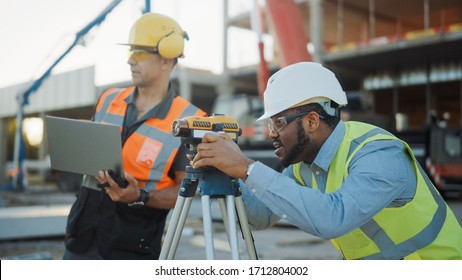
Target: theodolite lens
(180, 128)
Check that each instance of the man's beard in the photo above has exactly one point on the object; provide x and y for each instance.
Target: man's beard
(295, 152)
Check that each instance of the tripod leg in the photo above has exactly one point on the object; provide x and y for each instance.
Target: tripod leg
(166, 247)
(180, 227)
(232, 227)
(232, 238)
(224, 214)
(208, 231)
(245, 228)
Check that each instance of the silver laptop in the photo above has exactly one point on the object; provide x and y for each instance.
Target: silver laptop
(83, 147)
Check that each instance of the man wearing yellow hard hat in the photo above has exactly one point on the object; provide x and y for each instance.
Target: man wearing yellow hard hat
(122, 216)
(351, 182)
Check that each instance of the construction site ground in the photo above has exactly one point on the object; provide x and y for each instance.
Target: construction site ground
(283, 241)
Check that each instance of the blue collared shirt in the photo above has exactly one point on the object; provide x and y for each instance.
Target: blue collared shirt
(381, 174)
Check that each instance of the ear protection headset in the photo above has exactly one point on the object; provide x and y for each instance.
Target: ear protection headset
(172, 44)
(159, 32)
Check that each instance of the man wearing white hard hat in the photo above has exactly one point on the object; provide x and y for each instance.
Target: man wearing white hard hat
(353, 183)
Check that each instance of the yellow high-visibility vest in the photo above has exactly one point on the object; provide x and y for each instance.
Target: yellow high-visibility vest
(424, 228)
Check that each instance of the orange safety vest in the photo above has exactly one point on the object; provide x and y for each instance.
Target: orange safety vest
(149, 152)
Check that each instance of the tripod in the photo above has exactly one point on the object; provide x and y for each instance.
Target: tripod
(212, 184)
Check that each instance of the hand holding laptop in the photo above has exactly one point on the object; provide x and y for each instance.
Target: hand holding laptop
(117, 177)
(117, 192)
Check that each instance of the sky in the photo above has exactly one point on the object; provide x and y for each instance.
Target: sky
(34, 33)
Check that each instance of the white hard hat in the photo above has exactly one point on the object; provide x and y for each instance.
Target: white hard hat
(301, 83)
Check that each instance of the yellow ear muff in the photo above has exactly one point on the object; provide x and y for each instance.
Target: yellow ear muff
(171, 46)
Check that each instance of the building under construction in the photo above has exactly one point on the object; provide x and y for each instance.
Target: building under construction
(401, 59)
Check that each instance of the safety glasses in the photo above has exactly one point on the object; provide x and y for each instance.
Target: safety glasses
(141, 55)
(278, 124)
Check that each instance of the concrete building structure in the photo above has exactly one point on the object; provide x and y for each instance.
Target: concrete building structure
(403, 59)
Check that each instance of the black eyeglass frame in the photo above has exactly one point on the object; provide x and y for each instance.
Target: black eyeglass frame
(285, 120)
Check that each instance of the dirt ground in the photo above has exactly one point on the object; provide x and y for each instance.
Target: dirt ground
(280, 242)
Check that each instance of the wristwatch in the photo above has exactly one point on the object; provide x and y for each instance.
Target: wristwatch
(144, 197)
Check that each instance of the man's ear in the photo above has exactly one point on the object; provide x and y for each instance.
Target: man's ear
(312, 120)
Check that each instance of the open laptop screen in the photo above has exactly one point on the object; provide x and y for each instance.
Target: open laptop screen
(83, 147)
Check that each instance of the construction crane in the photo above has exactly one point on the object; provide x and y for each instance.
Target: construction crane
(23, 97)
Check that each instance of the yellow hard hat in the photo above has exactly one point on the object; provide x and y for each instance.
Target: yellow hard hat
(161, 33)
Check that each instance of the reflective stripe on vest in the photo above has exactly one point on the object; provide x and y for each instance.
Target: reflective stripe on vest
(382, 237)
(149, 152)
(304, 175)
